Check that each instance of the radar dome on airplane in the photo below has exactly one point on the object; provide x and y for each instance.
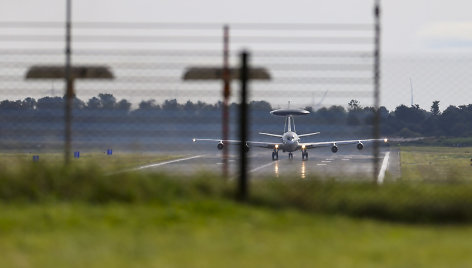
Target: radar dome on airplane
(289, 112)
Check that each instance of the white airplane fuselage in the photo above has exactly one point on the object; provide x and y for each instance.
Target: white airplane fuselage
(290, 141)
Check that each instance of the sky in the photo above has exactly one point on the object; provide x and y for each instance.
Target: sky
(409, 26)
(437, 31)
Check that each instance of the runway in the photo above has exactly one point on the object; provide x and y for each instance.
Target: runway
(348, 163)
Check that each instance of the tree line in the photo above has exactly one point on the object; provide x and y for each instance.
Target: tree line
(403, 121)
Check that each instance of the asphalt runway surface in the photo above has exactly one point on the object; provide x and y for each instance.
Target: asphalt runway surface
(348, 163)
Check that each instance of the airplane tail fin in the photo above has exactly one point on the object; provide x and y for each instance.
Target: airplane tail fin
(270, 134)
(308, 134)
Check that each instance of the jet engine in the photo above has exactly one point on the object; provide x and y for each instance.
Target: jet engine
(334, 149)
(220, 146)
(360, 146)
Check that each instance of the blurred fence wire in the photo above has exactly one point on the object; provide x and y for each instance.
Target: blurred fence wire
(131, 92)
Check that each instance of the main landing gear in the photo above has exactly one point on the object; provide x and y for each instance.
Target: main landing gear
(304, 155)
(275, 155)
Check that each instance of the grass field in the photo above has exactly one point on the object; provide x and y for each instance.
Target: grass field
(117, 161)
(217, 233)
(436, 163)
(80, 216)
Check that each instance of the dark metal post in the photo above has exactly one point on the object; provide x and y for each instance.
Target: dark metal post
(69, 86)
(226, 94)
(376, 128)
(243, 127)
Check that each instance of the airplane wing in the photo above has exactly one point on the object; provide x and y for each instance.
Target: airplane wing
(312, 145)
(261, 144)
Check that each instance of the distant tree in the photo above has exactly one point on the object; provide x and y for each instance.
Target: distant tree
(148, 105)
(435, 108)
(189, 106)
(108, 101)
(333, 114)
(78, 104)
(123, 105)
(28, 104)
(354, 105)
(352, 119)
(448, 120)
(94, 103)
(10, 105)
(50, 103)
(383, 112)
(412, 114)
(260, 105)
(170, 105)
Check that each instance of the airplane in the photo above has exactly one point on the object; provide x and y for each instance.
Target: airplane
(290, 140)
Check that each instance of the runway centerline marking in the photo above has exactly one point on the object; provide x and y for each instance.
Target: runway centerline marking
(261, 167)
(168, 162)
(381, 176)
(158, 164)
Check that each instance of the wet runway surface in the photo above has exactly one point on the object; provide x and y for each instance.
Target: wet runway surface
(323, 163)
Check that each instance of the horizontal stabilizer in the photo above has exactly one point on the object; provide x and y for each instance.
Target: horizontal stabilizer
(272, 135)
(309, 134)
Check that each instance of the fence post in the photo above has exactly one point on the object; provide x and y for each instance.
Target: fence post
(376, 121)
(243, 128)
(226, 94)
(69, 87)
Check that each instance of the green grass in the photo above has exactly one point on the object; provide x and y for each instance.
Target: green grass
(79, 216)
(436, 163)
(117, 161)
(216, 233)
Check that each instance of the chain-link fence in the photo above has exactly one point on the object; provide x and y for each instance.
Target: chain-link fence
(173, 89)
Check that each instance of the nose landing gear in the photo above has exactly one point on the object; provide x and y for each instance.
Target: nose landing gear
(304, 155)
(290, 156)
(275, 155)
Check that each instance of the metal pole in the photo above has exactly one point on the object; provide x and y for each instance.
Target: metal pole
(226, 94)
(243, 128)
(376, 128)
(69, 86)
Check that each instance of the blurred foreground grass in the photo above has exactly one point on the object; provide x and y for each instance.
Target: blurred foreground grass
(216, 233)
(53, 216)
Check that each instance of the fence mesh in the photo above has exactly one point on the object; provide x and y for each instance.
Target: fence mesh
(152, 88)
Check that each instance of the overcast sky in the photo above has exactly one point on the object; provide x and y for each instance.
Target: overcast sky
(409, 26)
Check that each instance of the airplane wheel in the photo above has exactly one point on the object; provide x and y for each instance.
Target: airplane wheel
(275, 156)
(290, 156)
(305, 156)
